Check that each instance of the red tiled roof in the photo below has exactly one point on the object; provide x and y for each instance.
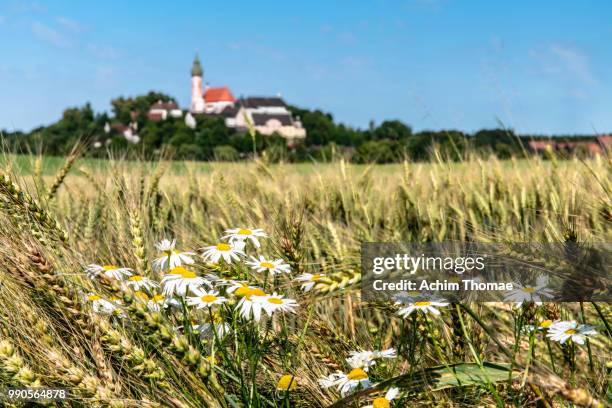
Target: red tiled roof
(605, 141)
(119, 127)
(155, 116)
(594, 148)
(218, 94)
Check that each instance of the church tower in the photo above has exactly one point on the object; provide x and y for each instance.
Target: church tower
(197, 100)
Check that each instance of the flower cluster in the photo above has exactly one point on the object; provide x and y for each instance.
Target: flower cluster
(562, 331)
(357, 378)
(181, 287)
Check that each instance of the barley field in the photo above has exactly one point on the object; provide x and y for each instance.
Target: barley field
(121, 284)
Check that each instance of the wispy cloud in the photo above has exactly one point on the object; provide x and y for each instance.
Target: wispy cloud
(574, 61)
(569, 67)
(346, 37)
(326, 28)
(27, 7)
(70, 24)
(567, 62)
(234, 46)
(105, 77)
(49, 35)
(103, 52)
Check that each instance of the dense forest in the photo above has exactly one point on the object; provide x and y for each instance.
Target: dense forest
(389, 141)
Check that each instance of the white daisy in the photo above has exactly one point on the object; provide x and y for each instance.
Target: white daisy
(171, 258)
(100, 305)
(117, 301)
(406, 298)
(156, 303)
(309, 280)
(275, 302)
(346, 383)
(179, 281)
(530, 293)
(228, 252)
(234, 285)
(545, 324)
(108, 271)
(562, 331)
(264, 265)
(205, 299)
(249, 305)
(366, 359)
(139, 282)
(425, 306)
(385, 402)
(209, 330)
(214, 279)
(159, 302)
(241, 234)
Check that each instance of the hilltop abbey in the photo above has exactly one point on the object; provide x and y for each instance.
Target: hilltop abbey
(269, 115)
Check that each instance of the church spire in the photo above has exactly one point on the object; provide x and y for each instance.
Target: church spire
(196, 68)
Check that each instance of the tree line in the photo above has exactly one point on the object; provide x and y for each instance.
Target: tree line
(387, 142)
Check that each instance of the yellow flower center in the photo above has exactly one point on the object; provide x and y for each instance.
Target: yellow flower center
(275, 301)
(357, 374)
(208, 298)
(422, 303)
(158, 298)
(245, 232)
(268, 265)
(255, 292)
(528, 290)
(316, 277)
(248, 292)
(223, 247)
(242, 291)
(546, 323)
(381, 402)
(571, 331)
(109, 267)
(135, 278)
(185, 274)
(287, 382)
(94, 298)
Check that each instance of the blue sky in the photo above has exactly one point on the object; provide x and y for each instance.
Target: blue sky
(541, 67)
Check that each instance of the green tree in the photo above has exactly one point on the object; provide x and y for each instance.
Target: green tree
(123, 107)
(392, 130)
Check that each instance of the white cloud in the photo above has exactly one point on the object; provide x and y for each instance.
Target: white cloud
(346, 37)
(234, 46)
(50, 35)
(575, 62)
(103, 52)
(326, 28)
(568, 69)
(70, 25)
(28, 7)
(566, 62)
